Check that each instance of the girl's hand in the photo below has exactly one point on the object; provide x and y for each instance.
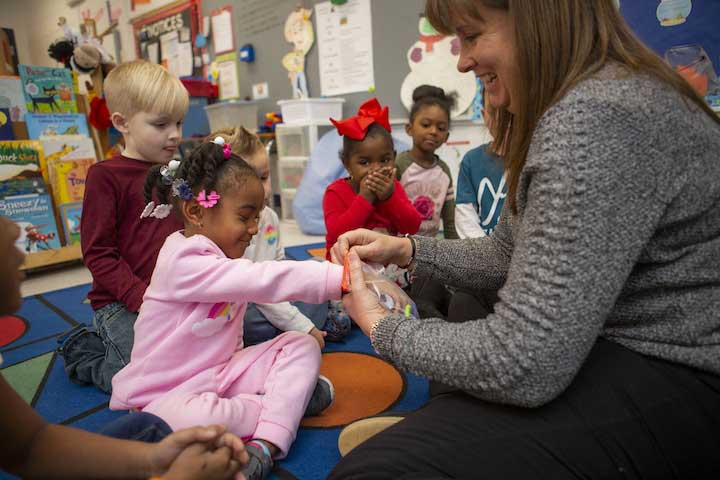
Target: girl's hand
(361, 304)
(366, 191)
(163, 455)
(372, 246)
(382, 183)
(319, 336)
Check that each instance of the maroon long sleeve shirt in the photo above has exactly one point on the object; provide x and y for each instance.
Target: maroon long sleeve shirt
(119, 248)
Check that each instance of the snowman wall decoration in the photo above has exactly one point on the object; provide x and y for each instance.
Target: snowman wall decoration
(433, 61)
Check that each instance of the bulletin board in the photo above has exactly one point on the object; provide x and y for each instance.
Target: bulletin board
(700, 26)
(158, 28)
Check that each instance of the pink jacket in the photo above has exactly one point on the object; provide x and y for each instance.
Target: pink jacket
(191, 317)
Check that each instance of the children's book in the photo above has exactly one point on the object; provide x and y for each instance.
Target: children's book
(67, 178)
(11, 97)
(70, 214)
(34, 215)
(68, 158)
(6, 131)
(49, 125)
(48, 89)
(20, 168)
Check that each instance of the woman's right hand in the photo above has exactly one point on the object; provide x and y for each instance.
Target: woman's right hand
(372, 247)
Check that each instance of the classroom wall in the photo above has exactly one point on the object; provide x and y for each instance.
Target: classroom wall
(394, 30)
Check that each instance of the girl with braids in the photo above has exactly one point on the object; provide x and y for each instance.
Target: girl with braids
(188, 365)
(264, 321)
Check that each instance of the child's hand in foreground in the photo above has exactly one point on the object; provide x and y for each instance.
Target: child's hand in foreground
(198, 453)
(318, 335)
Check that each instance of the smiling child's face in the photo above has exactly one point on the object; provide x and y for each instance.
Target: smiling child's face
(11, 258)
(233, 222)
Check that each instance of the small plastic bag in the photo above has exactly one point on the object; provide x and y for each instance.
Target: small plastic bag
(694, 64)
(389, 294)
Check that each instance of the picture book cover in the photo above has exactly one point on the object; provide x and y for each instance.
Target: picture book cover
(34, 215)
(67, 178)
(70, 214)
(48, 89)
(11, 97)
(6, 131)
(49, 125)
(20, 159)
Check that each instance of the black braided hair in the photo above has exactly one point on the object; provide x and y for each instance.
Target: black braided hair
(349, 144)
(426, 95)
(206, 168)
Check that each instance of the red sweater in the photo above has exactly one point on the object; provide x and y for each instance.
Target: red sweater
(118, 247)
(346, 210)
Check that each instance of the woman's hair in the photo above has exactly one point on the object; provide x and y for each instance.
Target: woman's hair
(558, 43)
(350, 144)
(243, 142)
(206, 168)
(141, 86)
(427, 95)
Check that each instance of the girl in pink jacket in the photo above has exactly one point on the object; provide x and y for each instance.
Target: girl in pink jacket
(188, 364)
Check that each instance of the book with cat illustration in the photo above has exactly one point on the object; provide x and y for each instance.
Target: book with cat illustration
(41, 125)
(48, 89)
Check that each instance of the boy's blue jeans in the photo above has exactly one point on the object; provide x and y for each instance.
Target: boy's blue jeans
(140, 426)
(95, 356)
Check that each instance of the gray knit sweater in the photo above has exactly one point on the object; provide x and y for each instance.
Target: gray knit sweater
(617, 235)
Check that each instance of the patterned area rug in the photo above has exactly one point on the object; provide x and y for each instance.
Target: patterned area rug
(365, 385)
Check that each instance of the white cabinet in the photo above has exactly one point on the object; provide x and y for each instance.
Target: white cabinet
(294, 145)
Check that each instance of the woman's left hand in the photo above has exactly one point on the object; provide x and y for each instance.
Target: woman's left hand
(361, 304)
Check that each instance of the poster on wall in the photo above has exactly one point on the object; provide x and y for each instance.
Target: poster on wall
(164, 36)
(685, 33)
(344, 38)
(433, 59)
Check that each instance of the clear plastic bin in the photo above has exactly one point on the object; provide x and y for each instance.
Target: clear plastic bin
(286, 203)
(310, 110)
(292, 141)
(291, 172)
(232, 114)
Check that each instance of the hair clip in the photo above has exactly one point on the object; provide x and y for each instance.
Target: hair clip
(181, 189)
(207, 200)
(227, 150)
(159, 211)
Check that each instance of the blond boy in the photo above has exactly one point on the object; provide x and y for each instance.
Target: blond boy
(147, 106)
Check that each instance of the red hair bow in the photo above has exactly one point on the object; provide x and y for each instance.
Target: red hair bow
(369, 112)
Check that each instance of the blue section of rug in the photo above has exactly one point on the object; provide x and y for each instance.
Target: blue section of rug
(313, 454)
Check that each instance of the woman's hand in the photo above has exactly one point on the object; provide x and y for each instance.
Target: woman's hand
(382, 183)
(319, 336)
(372, 247)
(182, 445)
(361, 304)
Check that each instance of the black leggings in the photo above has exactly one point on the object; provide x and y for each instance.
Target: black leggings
(625, 416)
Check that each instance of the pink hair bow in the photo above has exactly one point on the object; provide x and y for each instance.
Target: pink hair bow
(369, 112)
(227, 151)
(207, 200)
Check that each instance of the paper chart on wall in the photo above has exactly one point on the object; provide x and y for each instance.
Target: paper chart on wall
(344, 38)
(222, 32)
(229, 84)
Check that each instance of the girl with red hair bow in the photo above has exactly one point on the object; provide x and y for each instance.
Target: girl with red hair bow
(370, 196)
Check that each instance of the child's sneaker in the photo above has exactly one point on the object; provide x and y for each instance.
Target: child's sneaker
(260, 464)
(322, 397)
(338, 322)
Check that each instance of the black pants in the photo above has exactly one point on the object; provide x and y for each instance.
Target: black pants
(625, 416)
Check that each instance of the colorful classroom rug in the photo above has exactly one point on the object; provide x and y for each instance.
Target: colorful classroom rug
(365, 385)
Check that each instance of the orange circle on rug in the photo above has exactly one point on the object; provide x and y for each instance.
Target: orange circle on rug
(364, 386)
